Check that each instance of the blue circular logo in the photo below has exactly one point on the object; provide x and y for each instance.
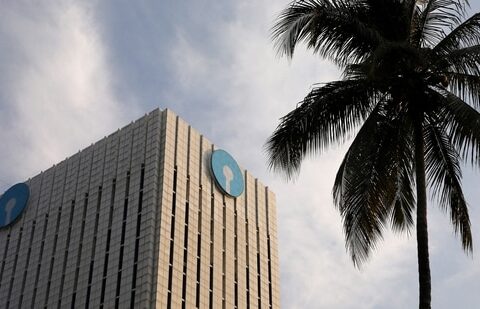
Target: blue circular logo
(227, 174)
(12, 203)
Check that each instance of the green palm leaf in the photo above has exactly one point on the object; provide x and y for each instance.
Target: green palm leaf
(466, 34)
(465, 86)
(373, 183)
(463, 123)
(463, 61)
(434, 19)
(331, 28)
(443, 169)
(326, 116)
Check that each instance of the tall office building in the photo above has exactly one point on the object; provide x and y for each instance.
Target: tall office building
(152, 216)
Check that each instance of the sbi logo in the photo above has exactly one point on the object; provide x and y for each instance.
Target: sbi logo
(227, 174)
(12, 203)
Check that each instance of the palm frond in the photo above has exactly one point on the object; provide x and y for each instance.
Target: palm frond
(324, 117)
(465, 35)
(465, 86)
(433, 19)
(402, 212)
(444, 173)
(463, 124)
(403, 208)
(463, 61)
(373, 184)
(331, 28)
(356, 71)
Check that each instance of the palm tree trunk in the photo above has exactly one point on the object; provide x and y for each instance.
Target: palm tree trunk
(422, 226)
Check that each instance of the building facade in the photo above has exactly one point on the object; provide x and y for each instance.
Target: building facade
(137, 220)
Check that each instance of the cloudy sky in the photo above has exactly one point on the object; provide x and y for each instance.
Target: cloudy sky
(74, 71)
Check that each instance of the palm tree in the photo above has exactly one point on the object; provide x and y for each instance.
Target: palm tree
(410, 91)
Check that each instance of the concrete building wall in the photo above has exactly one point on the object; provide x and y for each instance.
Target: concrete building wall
(136, 220)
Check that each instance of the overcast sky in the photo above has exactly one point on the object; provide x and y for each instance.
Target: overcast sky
(72, 72)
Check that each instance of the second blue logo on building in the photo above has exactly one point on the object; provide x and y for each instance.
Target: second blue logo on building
(227, 174)
(12, 203)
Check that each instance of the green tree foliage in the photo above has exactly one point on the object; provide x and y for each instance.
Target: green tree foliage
(411, 87)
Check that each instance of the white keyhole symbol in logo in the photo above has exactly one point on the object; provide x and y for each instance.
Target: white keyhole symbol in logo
(227, 172)
(8, 209)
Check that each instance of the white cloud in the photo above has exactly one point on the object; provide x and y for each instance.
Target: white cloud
(59, 98)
